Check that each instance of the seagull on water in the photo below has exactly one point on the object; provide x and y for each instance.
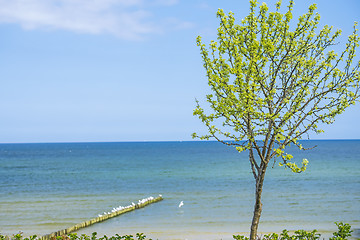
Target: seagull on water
(181, 204)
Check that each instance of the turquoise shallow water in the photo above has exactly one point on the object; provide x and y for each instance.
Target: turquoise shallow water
(48, 187)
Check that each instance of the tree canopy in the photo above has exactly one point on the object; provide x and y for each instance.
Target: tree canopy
(275, 84)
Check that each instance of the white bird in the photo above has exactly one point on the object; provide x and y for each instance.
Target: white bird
(181, 204)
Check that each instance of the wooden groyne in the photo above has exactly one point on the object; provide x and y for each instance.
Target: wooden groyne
(114, 213)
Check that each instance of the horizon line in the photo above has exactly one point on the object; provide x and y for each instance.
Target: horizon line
(162, 141)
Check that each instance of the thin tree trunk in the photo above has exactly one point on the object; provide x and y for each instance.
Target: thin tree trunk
(258, 204)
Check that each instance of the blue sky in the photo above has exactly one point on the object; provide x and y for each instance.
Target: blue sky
(120, 70)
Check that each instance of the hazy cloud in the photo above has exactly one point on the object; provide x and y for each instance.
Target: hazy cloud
(176, 24)
(127, 19)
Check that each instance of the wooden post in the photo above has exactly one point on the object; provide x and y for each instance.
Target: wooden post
(101, 218)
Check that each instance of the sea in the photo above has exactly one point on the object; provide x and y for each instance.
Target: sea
(46, 187)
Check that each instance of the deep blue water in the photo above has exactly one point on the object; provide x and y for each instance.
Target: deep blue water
(51, 186)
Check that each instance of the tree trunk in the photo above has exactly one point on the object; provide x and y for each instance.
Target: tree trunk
(258, 204)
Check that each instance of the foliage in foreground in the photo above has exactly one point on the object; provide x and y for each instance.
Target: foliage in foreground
(344, 231)
(74, 236)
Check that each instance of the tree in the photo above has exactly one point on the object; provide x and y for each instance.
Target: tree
(271, 85)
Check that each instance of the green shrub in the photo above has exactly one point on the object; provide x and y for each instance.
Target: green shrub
(74, 236)
(299, 235)
(344, 231)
